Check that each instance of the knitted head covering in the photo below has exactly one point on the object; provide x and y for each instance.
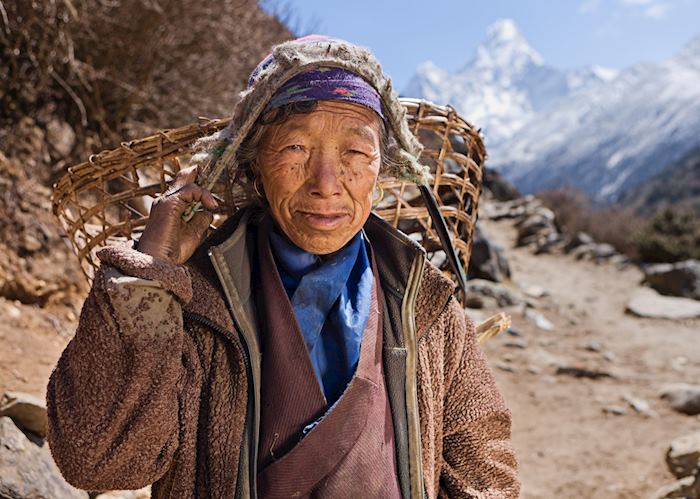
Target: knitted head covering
(327, 84)
(311, 55)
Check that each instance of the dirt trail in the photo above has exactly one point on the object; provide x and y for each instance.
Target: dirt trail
(567, 445)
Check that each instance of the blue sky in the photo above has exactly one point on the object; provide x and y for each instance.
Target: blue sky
(568, 33)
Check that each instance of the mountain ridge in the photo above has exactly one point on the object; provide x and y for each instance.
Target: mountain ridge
(601, 130)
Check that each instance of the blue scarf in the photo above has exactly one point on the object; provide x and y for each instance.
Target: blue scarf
(331, 298)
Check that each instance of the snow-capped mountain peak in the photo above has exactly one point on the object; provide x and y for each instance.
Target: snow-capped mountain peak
(599, 129)
(504, 47)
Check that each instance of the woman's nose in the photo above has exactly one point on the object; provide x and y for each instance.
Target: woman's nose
(324, 174)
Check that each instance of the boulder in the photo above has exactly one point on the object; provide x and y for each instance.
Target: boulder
(675, 279)
(683, 456)
(685, 488)
(487, 260)
(646, 302)
(27, 411)
(538, 224)
(27, 469)
(498, 186)
(683, 397)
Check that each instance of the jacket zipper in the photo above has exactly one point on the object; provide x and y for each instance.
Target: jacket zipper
(236, 340)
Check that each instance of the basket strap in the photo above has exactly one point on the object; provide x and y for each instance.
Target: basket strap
(444, 235)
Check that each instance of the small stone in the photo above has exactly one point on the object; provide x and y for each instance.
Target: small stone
(30, 242)
(593, 346)
(685, 488)
(535, 291)
(61, 136)
(503, 366)
(683, 456)
(679, 363)
(640, 406)
(514, 332)
(579, 239)
(532, 369)
(508, 357)
(27, 411)
(143, 493)
(13, 312)
(610, 356)
(615, 410)
(683, 398)
(540, 320)
(521, 343)
(582, 372)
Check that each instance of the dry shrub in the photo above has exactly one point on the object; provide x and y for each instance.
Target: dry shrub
(673, 235)
(615, 225)
(113, 69)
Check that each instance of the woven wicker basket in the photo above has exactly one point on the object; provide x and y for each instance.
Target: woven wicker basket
(107, 199)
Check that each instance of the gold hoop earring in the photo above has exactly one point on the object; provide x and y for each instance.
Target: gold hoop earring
(378, 199)
(256, 189)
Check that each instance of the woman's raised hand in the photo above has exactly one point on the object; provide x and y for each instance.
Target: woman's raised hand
(167, 235)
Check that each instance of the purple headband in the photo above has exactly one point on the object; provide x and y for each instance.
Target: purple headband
(328, 83)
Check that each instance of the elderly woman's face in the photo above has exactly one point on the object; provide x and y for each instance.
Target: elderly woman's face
(319, 171)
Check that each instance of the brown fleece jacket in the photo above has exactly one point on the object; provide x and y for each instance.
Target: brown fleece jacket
(141, 396)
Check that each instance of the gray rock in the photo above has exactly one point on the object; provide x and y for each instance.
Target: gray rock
(504, 296)
(61, 137)
(640, 406)
(584, 251)
(540, 320)
(535, 291)
(27, 469)
(593, 346)
(578, 239)
(503, 366)
(487, 260)
(615, 410)
(645, 302)
(603, 250)
(583, 372)
(27, 411)
(683, 397)
(520, 343)
(675, 279)
(535, 226)
(143, 493)
(685, 488)
(683, 456)
(551, 242)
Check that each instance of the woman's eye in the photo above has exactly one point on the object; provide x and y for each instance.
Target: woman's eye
(295, 147)
(357, 151)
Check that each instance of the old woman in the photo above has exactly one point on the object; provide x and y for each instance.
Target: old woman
(305, 348)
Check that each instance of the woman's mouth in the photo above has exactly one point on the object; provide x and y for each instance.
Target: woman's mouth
(323, 220)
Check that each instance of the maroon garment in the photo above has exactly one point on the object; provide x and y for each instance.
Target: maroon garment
(350, 452)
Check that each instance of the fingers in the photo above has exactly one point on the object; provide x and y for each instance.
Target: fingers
(184, 177)
(200, 222)
(184, 194)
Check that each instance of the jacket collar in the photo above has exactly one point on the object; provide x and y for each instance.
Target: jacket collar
(394, 261)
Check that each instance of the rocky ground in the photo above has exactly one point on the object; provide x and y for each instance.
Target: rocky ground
(583, 437)
(582, 377)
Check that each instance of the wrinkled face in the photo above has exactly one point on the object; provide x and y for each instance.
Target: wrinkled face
(319, 170)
